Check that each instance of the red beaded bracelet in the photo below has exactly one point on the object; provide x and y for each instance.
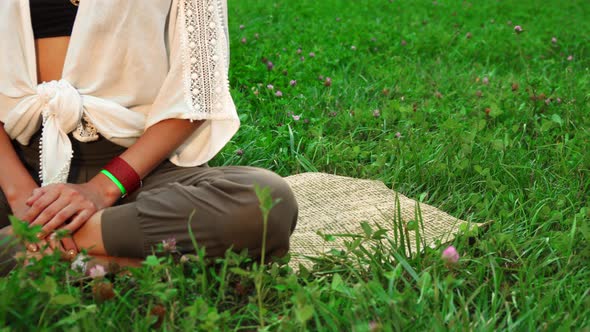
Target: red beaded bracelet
(123, 175)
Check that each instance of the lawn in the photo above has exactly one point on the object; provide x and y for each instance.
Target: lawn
(479, 108)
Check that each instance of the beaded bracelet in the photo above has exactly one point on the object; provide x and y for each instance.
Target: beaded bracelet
(123, 175)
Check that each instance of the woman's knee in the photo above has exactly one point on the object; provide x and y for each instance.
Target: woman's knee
(286, 209)
(282, 218)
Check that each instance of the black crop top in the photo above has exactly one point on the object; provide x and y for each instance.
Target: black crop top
(52, 18)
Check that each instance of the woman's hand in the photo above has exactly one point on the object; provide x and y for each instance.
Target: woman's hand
(54, 205)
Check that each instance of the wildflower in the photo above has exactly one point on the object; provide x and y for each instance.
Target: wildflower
(558, 100)
(311, 55)
(518, 29)
(338, 19)
(478, 93)
(468, 35)
(244, 40)
(485, 80)
(80, 263)
(256, 92)
(169, 245)
(376, 113)
(97, 271)
(239, 152)
(450, 255)
(293, 83)
(328, 81)
(438, 95)
(302, 58)
(570, 57)
(306, 121)
(373, 39)
(279, 93)
(547, 101)
(160, 313)
(353, 48)
(404, 42)
(398, 135)
(554, 40)
(374, 326)
(321, 77)
(296, 117)
(103, 291)
(488, 111)
(270, 87)
(514, 86)
(242, 27)
(332, 114)
(270, 65)
(256, 35)
(299, 50)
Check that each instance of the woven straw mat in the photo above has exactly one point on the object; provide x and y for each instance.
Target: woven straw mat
(333, 204)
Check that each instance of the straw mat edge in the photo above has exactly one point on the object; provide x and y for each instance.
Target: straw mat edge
(332, 204)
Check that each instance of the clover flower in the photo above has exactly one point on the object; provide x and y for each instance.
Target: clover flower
(97, 271)
(450, 255)
(518, 29)
(169, 245)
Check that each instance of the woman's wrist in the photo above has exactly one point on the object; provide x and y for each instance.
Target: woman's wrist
(19, 190)
(107, 189)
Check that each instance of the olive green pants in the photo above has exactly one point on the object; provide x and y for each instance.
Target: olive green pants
(224, 207)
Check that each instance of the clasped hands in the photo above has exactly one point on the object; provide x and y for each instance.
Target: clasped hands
(65, 206)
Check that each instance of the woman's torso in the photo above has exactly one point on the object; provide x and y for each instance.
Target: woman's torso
(52, 22)
(51, 55)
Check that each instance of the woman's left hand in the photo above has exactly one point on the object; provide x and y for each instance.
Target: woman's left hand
(54, 205)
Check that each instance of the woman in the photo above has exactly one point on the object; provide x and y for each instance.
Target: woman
(109, 113)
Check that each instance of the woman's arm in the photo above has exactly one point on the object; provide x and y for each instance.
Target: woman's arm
(15, 181)
(53, 205)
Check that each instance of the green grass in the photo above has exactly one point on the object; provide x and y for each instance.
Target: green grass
(494, 125)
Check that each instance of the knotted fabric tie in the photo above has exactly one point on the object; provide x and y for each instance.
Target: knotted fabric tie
(62, 111)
